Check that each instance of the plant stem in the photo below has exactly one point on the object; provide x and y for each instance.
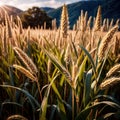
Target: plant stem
(73, 103)
(77, 103)
(38, 85)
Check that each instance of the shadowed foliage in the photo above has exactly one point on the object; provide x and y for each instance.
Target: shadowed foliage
(35, 17)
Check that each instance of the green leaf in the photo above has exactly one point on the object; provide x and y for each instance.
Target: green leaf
(62, 110)
(101, 65)
(55, 88)
(51, 46)
(90, 58)
(83, 115)
(107, 97)
(53, 109)
(11, 75)
(45, 100)
(104, 61)
(44, 105)
(81, 70)
(4, 73)
(9, 103)
(74, 48)
(61, 68)
(30, 97)
(87, 87)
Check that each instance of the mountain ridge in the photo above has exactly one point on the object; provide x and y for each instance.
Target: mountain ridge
(74, 10)
(11, 10)
(47, 9)
(110, 9)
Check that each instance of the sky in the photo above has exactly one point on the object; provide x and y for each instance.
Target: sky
(25, 4)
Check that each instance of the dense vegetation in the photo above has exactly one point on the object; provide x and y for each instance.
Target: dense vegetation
(35, 17)
(60, 74)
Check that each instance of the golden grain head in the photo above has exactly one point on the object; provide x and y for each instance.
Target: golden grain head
(116, 46)
(74, 70)
(16, 117)
(98, 20)
(25, 72)
(49, 65)
(105, 42)
(113, 70)
(67, 57)
(109, 82)
(64, 22)
(26, 60)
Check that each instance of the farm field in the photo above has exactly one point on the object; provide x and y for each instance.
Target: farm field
(60, 74)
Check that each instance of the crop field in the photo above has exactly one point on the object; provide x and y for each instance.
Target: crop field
(60, 74)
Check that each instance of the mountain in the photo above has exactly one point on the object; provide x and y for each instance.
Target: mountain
(47, 9)
(9, 9)
(110, 9)
(74, 10)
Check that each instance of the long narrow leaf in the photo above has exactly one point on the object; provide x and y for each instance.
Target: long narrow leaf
(30, 97)
(81, 70)
(74, 48)
(58, 64)
(9, 103)
(90, 58)
(45, 101)
(53, 109)
(55, 88)
(87, 87)
(44, 105)
(85, 113)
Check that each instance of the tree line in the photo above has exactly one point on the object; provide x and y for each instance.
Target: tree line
(33, 17)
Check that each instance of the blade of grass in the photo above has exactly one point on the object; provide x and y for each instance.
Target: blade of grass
(61, 68)
(87, 87)
(74, 48)
(90, 58)
(85, 113)
(42, 115)
(81, 70)
(30, 97)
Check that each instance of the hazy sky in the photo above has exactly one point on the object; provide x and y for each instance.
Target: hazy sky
(25, 4)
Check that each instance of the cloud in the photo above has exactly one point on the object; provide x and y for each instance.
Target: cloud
(25, 4)
(45, 3)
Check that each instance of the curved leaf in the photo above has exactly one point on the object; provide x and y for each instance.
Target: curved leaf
(85, 113)
(81, 71)
(90, 58)
(58, 64)
(30, 97)
(87, 87)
